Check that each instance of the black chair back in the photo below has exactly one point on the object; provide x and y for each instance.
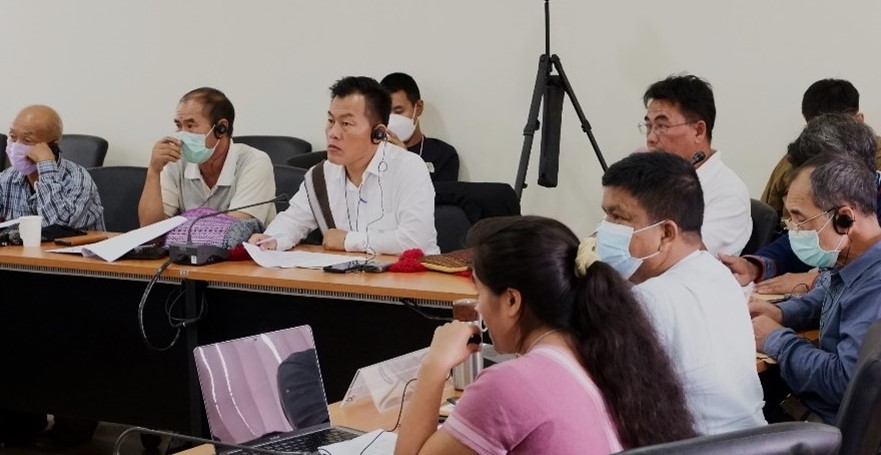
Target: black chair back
(788, 438)
(120, 189)
(287, 180)
(307, 160)
(3, 144)
(86, 150)
(859, 416)
(766, 226)
(478, 199)
(452, 227)
(279, 148)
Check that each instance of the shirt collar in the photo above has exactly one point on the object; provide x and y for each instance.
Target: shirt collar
(711, 164)
(227, 173)
(378, 157)
(852, 271)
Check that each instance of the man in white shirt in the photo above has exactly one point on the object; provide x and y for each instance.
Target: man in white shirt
(369, 195)
(653, 238)
(679, 119)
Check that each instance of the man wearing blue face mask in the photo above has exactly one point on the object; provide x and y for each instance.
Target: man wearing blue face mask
(200, 166)
(832, 201)
(405, 130)
(653, 238)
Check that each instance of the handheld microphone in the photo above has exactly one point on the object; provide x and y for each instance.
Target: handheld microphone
(141, 430)
(189, 254)
(697, 158)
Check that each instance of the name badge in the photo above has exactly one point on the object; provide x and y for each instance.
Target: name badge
(430, 166)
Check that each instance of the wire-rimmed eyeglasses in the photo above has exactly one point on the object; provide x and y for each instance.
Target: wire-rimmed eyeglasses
(660, 129)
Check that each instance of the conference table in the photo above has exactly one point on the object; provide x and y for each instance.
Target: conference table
(72, 342)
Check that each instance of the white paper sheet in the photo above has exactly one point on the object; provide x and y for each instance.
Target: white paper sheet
(290, 259)
(381, 443)
(9, 223)
(114, 247)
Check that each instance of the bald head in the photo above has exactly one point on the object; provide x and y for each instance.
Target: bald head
(35, 124)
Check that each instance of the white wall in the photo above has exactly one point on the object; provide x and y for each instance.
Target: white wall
(117, 68)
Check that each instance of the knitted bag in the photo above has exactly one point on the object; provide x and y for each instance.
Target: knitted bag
(219, 229)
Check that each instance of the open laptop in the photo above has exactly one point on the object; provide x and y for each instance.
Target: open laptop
(266, 391)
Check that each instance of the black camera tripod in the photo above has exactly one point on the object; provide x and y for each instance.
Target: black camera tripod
(551, 88)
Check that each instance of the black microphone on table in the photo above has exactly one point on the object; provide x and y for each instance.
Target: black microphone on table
(189, 254)
(141, 430)
(697, 158)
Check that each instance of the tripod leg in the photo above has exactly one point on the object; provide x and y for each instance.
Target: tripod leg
(532, 122)
(585, 125)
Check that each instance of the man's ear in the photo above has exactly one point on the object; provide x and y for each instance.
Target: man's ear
(700, 130)
(418, 108)
(669, 233)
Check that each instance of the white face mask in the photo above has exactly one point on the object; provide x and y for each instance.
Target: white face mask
(402, 126)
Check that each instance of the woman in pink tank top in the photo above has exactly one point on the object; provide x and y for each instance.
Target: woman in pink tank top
(589, 371)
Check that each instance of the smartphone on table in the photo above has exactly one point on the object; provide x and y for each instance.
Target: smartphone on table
(346, 267)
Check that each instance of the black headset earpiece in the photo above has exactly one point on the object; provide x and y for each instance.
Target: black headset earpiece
(378, 134)
(842, 221)
(219, 129)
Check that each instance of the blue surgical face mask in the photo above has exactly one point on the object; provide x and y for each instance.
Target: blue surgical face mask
(613, 247)
(193, 146)
(806, 245)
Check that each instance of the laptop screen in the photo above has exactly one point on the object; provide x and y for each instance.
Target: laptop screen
(261, 384)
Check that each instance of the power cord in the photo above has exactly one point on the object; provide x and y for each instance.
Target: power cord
(415, 307)
(175, 322)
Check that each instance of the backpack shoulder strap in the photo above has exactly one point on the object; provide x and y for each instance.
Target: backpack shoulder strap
(316, 186)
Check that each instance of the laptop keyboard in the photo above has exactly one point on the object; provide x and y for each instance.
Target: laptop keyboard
(309, 442)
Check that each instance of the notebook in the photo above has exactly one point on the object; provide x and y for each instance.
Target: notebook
(266, 391)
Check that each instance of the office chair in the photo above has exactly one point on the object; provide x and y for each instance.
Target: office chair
(279, 148)
(452, 227)
(859, 417)
(287, 180)
(120, 189)
(787, 438)
(83, 149)
(3, 144)
(478, 199)
(307, 160)
(766, 226)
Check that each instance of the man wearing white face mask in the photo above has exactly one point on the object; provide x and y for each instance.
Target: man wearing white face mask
(200, 166)
(832, 201)
(40, 181)
(698, 310)
(405, 130)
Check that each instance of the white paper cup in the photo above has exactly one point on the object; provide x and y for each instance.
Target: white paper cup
(31, 229)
